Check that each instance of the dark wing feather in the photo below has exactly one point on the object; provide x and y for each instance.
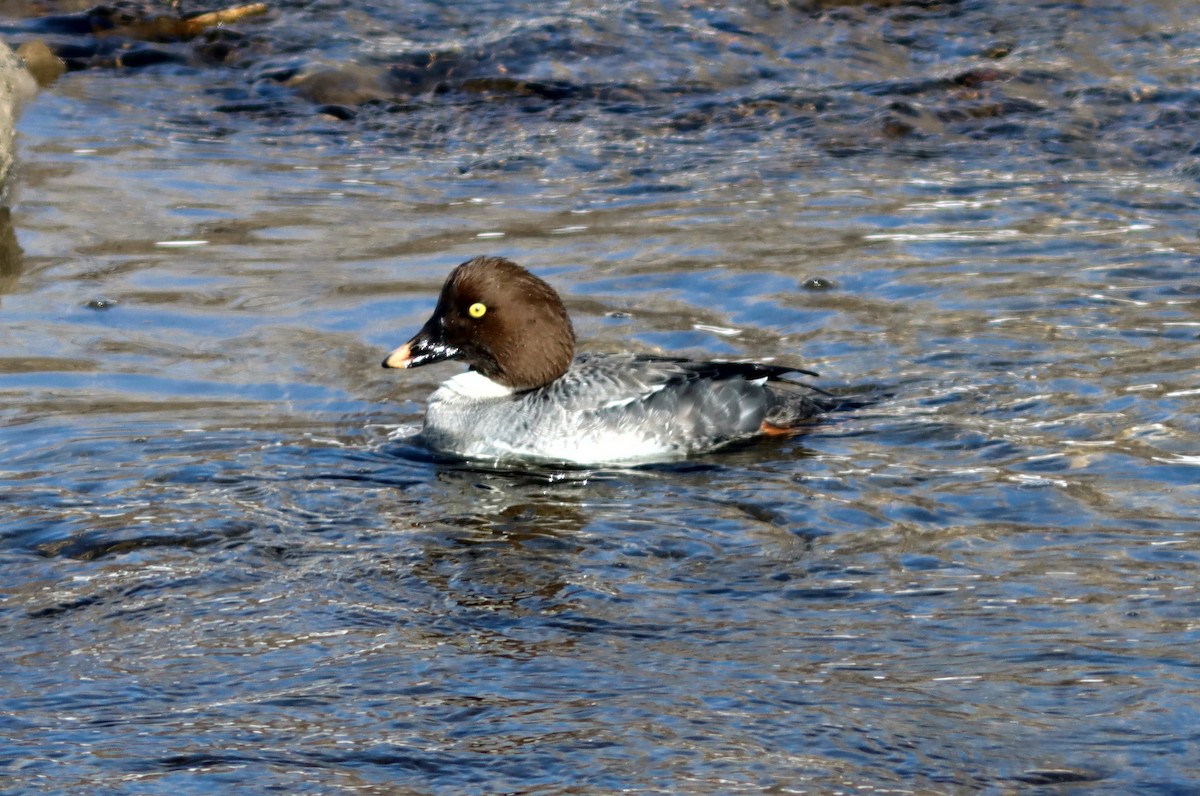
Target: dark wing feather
(728, 370)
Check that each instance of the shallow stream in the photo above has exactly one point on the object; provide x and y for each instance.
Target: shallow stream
(225, 573)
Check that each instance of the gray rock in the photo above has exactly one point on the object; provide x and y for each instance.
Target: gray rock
(17, 86)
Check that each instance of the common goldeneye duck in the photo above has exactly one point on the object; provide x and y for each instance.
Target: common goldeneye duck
(526, 396)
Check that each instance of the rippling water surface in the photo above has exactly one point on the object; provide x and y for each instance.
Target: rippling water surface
(225, 572)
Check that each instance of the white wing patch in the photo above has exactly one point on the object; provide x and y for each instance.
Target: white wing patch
(617, 403)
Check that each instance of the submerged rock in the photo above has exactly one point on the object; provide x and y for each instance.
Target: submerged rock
(41, 62)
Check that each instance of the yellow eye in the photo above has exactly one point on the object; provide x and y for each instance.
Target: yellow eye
(477, 309)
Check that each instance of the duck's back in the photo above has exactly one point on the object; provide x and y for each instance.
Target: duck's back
(618, 408)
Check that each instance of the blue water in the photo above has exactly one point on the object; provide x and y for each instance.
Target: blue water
(227, 571)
